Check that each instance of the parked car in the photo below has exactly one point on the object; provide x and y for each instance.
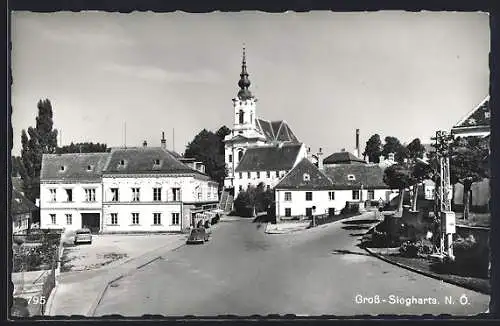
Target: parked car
(83, 235)
(197, 235)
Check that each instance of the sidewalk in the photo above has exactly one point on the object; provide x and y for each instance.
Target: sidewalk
(78, 293)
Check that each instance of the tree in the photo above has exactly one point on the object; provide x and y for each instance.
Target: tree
(373, 148)
(469, 163)
(42, 140)
(208, 147)
(17, 166)
(399, 176)
(393, 145)
(420, 171)
(83, 148)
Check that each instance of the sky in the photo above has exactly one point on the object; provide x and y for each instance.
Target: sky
(326, 74)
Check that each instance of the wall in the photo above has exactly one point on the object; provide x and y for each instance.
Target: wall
(61, 207)
(480, 193)
(244, 181)
(145, 210)
(20, 222)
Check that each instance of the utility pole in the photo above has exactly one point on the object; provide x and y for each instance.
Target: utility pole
(443, 194)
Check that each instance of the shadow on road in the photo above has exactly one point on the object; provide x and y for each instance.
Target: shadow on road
(348, 252)
(357, 234)
(355, 222)
(263, 219)
(356, 227)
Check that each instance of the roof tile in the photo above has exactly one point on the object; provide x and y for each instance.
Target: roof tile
(269, 158)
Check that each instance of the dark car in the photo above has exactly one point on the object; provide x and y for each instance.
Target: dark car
(197, 235)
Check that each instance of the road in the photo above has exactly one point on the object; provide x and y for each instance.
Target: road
(243, 271)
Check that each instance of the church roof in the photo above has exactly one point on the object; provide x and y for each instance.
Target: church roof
(305, 176)
(478, 117)
(142, 160)
(343, 158)
(276, 131)
(73, 167)
(269, 158)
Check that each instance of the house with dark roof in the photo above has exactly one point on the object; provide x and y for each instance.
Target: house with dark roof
(126, 190)
(475, 123)
(310, 190)
(249, 133)
(21, 211)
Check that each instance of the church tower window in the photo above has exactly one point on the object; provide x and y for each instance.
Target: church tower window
(240, 154)
(241, 116)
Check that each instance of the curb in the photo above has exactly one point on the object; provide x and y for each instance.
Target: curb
(50, 302)
(101, 293)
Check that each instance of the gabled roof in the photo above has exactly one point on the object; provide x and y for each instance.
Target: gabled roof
(370, 176)
(478, 117)
(276, 131)
(269, 158)
(304, 176)
(73, 166)
(139, 160)
(19, 204)
(343, 158)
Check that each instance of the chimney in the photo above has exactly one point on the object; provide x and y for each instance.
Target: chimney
(145, 144)
(320, 160)
(163, 141)
(357, 144)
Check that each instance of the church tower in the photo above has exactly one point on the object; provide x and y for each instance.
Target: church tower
(244, 105)
(245, 132)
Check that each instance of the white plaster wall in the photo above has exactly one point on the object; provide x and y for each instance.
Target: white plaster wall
(145, 211)
(46, 221)
(244, 181)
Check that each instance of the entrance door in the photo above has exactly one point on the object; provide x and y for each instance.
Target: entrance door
(91, 221)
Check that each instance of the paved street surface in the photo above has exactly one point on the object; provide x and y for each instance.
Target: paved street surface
(244, 271)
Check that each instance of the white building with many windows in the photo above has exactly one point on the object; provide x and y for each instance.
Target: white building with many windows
(134, 189)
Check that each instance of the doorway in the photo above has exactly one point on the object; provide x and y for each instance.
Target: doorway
(91, 221)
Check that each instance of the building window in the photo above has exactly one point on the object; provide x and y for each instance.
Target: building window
(309, 195)
(230, 158)
(355, 194)
(175, 218)
(69, 219)
(157, 194)
(277, 174)
(53, 195)
(331, 211)
(309, 211)
(268, 187)
(199, 195)
(156, 218)
(306, 177)
(248, 175)
(242, 115)
(157, 162)
(176, 194)
(240, 155)
(371, 194)
(114, 218)
(90, 194)
(135, 194)
(351, 177)
(288, 212)
(288, 196)
(122, 162)
(258, 175)
(135, 218)
(69, 195)
(241, 175)
(331, 195)
(53, 218)
(114, 194)
(62, 168)
(268, 174)
(240, 188)
(89, 167)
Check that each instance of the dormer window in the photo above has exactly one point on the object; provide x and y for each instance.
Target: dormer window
(89, 167)
(122, 162)
(487, 115)
(62, 168)
(306, 177)
(157, 162)
(351, 177)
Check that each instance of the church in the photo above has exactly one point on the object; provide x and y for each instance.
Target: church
(257, 150)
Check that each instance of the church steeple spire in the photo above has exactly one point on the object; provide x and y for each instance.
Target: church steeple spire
(244, 82)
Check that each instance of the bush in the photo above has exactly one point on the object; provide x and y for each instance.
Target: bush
(19, 308)
(34, 258)
(414, 249)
